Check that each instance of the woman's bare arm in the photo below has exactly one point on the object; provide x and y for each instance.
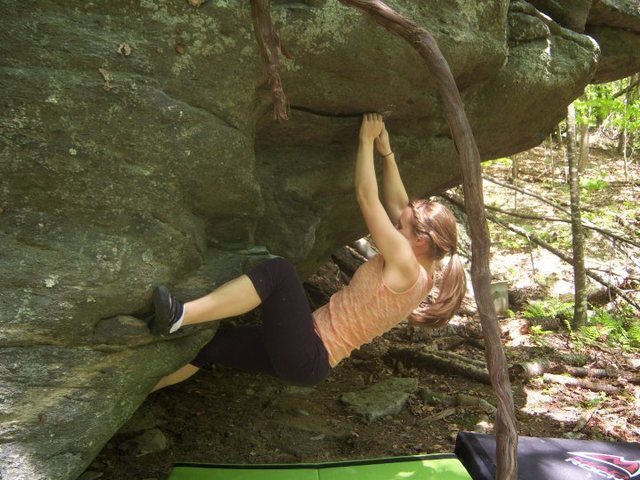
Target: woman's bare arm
(393, 246)
(393, 191)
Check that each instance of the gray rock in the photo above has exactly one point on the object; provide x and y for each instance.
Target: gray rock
(620, 52)
(294, 390)
(122, 168)
(149, 441)
(384, 398)
(143, 419)
(572, 14)
(615, 26)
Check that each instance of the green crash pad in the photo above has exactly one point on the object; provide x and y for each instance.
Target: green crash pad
(415, 467)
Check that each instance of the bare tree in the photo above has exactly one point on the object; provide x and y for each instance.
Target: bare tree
(515, 166)
(583, 162)
(579, 272)
(625, 137)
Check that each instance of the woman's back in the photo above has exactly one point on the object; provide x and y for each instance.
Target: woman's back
(365, 309)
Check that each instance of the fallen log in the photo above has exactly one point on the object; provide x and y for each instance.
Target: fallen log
(430, 397)
(584, 372)
(439, 361)
(436, 417)
(579, 382)
(524, 191)
(348, 260)
(539, 367)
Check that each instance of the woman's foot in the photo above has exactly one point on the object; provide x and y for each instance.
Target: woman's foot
(169, 312)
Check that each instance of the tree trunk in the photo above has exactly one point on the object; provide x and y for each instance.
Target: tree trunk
(579, 272)
(622, 138)
(550, 154)
(427, 47)
(584, 148)
(271, 49)
(515, 167)
(558, 133)
(625, 131)
(632, 96)
(561, 147)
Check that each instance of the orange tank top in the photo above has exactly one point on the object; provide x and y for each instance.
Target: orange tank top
(365, 309)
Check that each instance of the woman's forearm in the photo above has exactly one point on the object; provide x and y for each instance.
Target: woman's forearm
(395, 195)
(366, 183)
(393, 191)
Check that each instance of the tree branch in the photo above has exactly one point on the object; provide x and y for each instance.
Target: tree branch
(271, 49)
(585, 223)
(580, 382)
(442, 361)
(627, 89)
(425, 44)
(563, 256)
(526, 192)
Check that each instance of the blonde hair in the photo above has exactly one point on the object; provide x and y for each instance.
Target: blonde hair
(436, 222)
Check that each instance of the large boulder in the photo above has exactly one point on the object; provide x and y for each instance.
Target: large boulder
(137, 147)
(615, 25)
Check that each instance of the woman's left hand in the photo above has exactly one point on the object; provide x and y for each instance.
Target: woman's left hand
(372, 126)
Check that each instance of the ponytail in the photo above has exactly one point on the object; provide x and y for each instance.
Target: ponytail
(438, 224)
(453, 287)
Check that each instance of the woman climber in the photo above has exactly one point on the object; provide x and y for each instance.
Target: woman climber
(301, 346)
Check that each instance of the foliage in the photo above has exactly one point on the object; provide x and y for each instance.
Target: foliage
(557, 236)
(596, 399)
(538, 334)
(551, 309)
(508, 240)
(578, 359)
(616, 329)
(609, 107)
(594, 184)
(504, 161)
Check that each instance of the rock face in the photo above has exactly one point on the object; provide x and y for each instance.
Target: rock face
(613, 24)
(137, 147)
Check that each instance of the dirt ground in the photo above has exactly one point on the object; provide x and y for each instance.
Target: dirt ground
(225, 416)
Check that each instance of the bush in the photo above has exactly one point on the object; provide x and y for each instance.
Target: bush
(616, 329)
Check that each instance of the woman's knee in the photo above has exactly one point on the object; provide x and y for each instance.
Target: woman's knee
(281, 267)
(295, 374)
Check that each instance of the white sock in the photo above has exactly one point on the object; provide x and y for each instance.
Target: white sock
(178, 324)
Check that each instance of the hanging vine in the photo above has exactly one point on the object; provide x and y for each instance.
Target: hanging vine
(425, 44)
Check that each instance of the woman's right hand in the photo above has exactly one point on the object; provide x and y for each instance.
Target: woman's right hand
(372, 126)
(382, 142)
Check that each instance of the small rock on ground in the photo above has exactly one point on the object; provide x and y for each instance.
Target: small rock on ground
(387, 397)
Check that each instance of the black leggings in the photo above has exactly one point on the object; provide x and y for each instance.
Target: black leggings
(286, 344)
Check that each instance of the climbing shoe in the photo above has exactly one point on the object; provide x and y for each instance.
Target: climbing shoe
(168, 312)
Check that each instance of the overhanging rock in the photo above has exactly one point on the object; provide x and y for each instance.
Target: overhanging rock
(137, 147)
